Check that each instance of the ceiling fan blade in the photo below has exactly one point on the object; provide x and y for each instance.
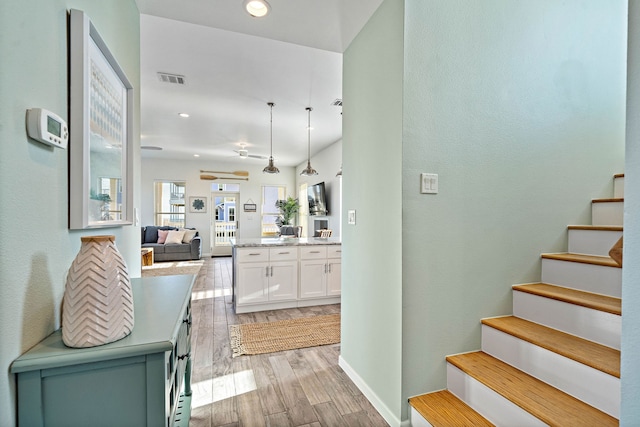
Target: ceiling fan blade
(236, 173)
(257, 156)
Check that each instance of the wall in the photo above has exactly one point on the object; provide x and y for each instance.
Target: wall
(630, 374)
(189, 171)
(37, 247)
(524, 125)
(327, 163)
(372, 181)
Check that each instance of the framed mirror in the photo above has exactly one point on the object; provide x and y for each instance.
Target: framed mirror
(100, 131)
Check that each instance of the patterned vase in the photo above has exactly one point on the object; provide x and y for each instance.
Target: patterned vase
(97, 307)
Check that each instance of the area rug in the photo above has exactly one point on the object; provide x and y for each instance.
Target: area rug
(170, 268)
(269, 337)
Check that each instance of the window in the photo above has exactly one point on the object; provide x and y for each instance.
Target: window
(271, 193)
(232, 214)
(303, 213)
(169, 203)
(234, 188)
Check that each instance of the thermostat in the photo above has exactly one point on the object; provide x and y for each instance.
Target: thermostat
(47, 127)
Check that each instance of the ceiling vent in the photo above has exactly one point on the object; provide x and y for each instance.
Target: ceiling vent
(337, 103)
(171, 78)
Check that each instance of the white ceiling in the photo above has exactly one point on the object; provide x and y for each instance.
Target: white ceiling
(233, 65)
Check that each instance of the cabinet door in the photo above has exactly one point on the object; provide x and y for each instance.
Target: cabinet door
(252, 282)
(334, 277)
(313, 278)
(283, 280)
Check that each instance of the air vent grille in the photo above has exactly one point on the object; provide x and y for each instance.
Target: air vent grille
(171, 78)
(337, 103)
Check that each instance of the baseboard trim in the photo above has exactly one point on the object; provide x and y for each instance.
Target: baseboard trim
(372, 396)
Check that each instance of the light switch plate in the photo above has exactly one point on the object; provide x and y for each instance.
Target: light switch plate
(351, 217)
(429, 183)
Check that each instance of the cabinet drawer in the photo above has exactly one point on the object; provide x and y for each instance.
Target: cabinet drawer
(313, 252)
(334, 251)
(288, 253)
(252, 255)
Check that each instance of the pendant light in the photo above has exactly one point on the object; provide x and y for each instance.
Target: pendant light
(270, 168)
(308, 171)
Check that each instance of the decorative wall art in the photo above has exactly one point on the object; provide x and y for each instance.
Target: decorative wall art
(100, 130)
(197, 204)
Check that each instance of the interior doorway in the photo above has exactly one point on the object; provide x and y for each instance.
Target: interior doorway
(224, 222)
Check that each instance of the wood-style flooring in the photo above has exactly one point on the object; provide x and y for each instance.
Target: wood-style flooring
(303, 387)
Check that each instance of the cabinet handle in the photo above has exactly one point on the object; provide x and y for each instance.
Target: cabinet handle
(325, 269)
(253, 254)
(329, 268)
(271, 271)
(314, 252)
(267, 273)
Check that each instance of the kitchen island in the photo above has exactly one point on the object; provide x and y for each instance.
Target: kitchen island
(285, 272)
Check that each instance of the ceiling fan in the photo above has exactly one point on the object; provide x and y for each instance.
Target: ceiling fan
(244, 154)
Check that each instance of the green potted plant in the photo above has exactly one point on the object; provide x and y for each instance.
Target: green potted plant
(288, 209)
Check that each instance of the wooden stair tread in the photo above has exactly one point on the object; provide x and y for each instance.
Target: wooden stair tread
(596, 227)
(581, 258)
(611, 200)
(444, 409)
(543, 401)
(597, 356)
(591, 300)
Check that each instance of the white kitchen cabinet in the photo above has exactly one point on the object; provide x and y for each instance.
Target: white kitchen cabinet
(320, 271)
(265, 275)
(270, 275)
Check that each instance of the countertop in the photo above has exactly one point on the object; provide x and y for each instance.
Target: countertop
(283, 241)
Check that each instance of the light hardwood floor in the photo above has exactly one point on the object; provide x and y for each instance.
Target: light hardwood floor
(303, 387)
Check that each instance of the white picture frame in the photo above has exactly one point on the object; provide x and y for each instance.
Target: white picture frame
(197, 204)
(100, 131)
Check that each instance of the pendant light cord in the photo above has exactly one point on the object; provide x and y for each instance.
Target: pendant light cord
(309, 136)
(271, 104)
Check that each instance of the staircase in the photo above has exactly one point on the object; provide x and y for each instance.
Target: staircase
(556, 361)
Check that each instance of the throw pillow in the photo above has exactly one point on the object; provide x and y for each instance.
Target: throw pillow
(150, 234)
(174, 237)
(188, 235)
(162, 236)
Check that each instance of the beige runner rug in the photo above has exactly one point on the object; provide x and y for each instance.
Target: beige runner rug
(269, 337)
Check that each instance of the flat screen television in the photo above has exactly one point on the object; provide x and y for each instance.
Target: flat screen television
(317, 200)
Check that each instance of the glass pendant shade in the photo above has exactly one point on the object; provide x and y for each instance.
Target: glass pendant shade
(271, 168)
(308, 171)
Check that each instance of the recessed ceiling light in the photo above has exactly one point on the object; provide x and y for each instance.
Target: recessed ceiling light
(257, 8)
(185, 115)
(196, 155)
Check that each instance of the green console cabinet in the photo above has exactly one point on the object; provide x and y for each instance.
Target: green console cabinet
(140, 380)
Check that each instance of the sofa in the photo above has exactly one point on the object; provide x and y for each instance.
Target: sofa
(184, 244)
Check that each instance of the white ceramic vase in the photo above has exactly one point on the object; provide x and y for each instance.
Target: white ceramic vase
(97, 307)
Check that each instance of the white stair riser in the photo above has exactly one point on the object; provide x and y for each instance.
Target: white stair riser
(593, 325)
(607, 213)
(487, 402)
(418, 420)
(592, 242)
(618, 187)
(561, 372)
(587, 277)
